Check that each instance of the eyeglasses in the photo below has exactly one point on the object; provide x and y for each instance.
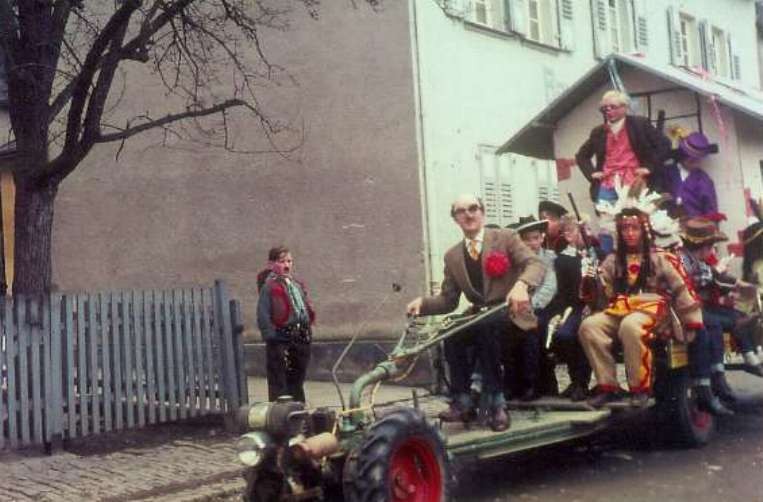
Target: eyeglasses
(463, 210)
(606, 108)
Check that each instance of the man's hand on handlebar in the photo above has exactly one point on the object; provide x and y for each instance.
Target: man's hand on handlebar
(414, 308)
(518, 298)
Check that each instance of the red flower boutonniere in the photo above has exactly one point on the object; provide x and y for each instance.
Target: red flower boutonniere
(496, 264)
(634, 268)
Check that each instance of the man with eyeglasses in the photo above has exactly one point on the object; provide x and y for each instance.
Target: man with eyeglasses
(626, 147)
(488, 266)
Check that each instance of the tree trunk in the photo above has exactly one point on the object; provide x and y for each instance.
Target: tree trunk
(33, 268)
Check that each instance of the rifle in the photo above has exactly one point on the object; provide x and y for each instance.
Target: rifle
(592, 294)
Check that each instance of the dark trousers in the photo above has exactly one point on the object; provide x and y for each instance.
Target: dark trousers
(701, 354)
(719, 319)
(484, 342)
(286, 364)
(567, 347)
(523, 364)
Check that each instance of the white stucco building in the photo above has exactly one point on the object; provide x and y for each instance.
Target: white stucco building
(484, 68)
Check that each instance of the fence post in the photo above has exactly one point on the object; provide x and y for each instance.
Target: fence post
(222, 316)
(238, 345)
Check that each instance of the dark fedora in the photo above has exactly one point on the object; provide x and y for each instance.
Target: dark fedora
(701, 232)
(530, 224)
(551, 207)
(696, 146)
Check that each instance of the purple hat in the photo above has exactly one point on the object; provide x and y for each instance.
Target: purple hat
(696, 146)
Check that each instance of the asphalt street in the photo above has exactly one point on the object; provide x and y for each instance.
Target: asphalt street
(626, 465)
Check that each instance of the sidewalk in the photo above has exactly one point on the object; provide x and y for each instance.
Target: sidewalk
(175, 462)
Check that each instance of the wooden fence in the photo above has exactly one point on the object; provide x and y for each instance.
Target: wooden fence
(80, 364)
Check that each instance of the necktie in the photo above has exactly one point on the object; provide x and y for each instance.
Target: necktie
(473, 250)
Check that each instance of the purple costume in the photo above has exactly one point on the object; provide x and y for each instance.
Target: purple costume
(695, 195)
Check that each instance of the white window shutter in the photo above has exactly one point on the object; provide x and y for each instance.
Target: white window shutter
(735, 70)
(566, 17)
(505, 167)
(601, 45)
(674, 35)
(517, 16)
(488, 185)
(640, 29)
(704, 44)
(642, 34)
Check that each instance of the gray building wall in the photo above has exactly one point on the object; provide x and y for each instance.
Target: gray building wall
(347, 202)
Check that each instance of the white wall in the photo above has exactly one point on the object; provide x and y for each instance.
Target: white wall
(478, 87)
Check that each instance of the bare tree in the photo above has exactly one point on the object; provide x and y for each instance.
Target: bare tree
(63, 61)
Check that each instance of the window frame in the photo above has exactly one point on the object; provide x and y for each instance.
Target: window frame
(689, 35)
(720, 59)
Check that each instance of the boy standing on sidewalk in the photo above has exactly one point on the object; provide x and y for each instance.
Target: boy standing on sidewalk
(285, 317)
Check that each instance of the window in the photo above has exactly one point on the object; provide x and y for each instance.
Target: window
(533, 20)
(614, 29)
(689, 43)
(488, 13)
(541, 22)
(719, 53)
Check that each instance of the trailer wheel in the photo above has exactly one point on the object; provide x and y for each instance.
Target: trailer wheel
(401, 459)
(680, 420)
(263, 485)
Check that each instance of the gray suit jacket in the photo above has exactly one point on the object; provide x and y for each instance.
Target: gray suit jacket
(524, 265)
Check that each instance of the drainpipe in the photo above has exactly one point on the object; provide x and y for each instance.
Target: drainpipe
(423, 199)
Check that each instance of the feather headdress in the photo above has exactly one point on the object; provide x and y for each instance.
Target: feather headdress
(635, 196)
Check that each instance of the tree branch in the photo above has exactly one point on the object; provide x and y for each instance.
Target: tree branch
(114, 27)
(168, 119)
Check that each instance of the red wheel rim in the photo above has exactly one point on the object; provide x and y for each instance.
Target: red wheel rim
(701, 420)
(415, 474)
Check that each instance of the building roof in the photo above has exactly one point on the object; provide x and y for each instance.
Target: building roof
(536, 139)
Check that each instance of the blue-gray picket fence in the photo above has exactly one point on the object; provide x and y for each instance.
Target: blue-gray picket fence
(88, 363)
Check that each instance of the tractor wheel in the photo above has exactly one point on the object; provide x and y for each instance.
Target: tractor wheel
(680, 420)
(401, 459)
(263, 485)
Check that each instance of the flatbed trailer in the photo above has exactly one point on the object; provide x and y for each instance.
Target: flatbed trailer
(393, 452)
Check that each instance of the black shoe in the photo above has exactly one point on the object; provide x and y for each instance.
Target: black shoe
(578, 393)
(639, 399)
(500, 420)
(567, 392)
(456, 413)
(754, 369)
(706, 401)
(529, 395)
(600, 398)
(721, 388)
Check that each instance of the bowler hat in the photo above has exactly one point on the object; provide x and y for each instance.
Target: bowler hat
(552, 207)
(696, 146)
(530, 224)
(701, 232)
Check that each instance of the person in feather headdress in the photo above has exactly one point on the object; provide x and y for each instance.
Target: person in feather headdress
(640, 283)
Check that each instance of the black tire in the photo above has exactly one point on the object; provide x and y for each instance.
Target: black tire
(263, 485)
(401, 458)
(679, 419)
